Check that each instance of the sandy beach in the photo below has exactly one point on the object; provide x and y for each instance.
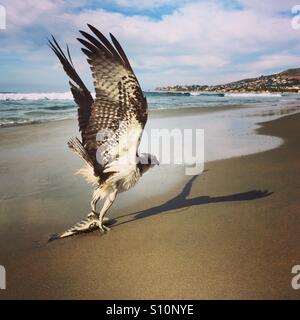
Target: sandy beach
(184, 183)
(230, 233)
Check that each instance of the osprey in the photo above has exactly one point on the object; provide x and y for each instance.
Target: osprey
(111, 125)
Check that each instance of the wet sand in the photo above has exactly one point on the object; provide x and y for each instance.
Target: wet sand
(232, 232)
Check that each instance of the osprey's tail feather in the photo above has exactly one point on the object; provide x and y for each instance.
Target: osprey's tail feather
(88, 172)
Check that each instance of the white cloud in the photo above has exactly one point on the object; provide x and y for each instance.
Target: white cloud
(269, 62)
(269, 6)
(201, 60)
(201, 35)
(199, 42)
(194, 28)
(28, 12)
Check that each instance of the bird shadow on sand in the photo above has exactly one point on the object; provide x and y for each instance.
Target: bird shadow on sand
(181, 201)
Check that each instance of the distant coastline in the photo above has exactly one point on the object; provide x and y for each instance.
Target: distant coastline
(285, 82)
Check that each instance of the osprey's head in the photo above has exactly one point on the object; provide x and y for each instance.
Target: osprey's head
(147, 161)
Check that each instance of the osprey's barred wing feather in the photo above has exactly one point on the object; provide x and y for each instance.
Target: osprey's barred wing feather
(120, 105)
(81, 94)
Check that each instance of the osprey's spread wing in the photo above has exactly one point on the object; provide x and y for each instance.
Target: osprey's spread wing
(81, 94)
(112, 125)
(119, 113)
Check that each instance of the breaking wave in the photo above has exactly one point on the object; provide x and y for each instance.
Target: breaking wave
(68, 95)
(250, 95)
(36, 96)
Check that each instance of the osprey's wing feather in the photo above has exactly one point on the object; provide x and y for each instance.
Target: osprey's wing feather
(81, 94)
(119, 112)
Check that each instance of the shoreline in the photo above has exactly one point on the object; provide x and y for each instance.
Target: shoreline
(186, 233)
(237, 92)
(159, 112)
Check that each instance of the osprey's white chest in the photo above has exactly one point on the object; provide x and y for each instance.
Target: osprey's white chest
(129, 181)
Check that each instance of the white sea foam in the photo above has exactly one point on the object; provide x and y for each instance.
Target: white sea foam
(68, 95)
(206, 93)
(36, 96)
(246, 94)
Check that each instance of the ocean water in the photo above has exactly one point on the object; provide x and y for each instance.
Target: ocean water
(29, 108)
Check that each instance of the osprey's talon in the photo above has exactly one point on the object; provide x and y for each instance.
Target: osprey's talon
(94, 214)
(102, 227)
(106, 228)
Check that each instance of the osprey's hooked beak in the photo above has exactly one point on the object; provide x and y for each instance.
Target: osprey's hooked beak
(156, 162)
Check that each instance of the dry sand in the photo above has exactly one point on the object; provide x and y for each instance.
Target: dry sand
(231, 233)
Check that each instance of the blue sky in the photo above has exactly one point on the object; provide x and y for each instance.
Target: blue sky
(167, 42)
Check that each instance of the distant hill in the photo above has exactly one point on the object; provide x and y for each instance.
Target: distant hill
(291, 73)
(286, 81)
